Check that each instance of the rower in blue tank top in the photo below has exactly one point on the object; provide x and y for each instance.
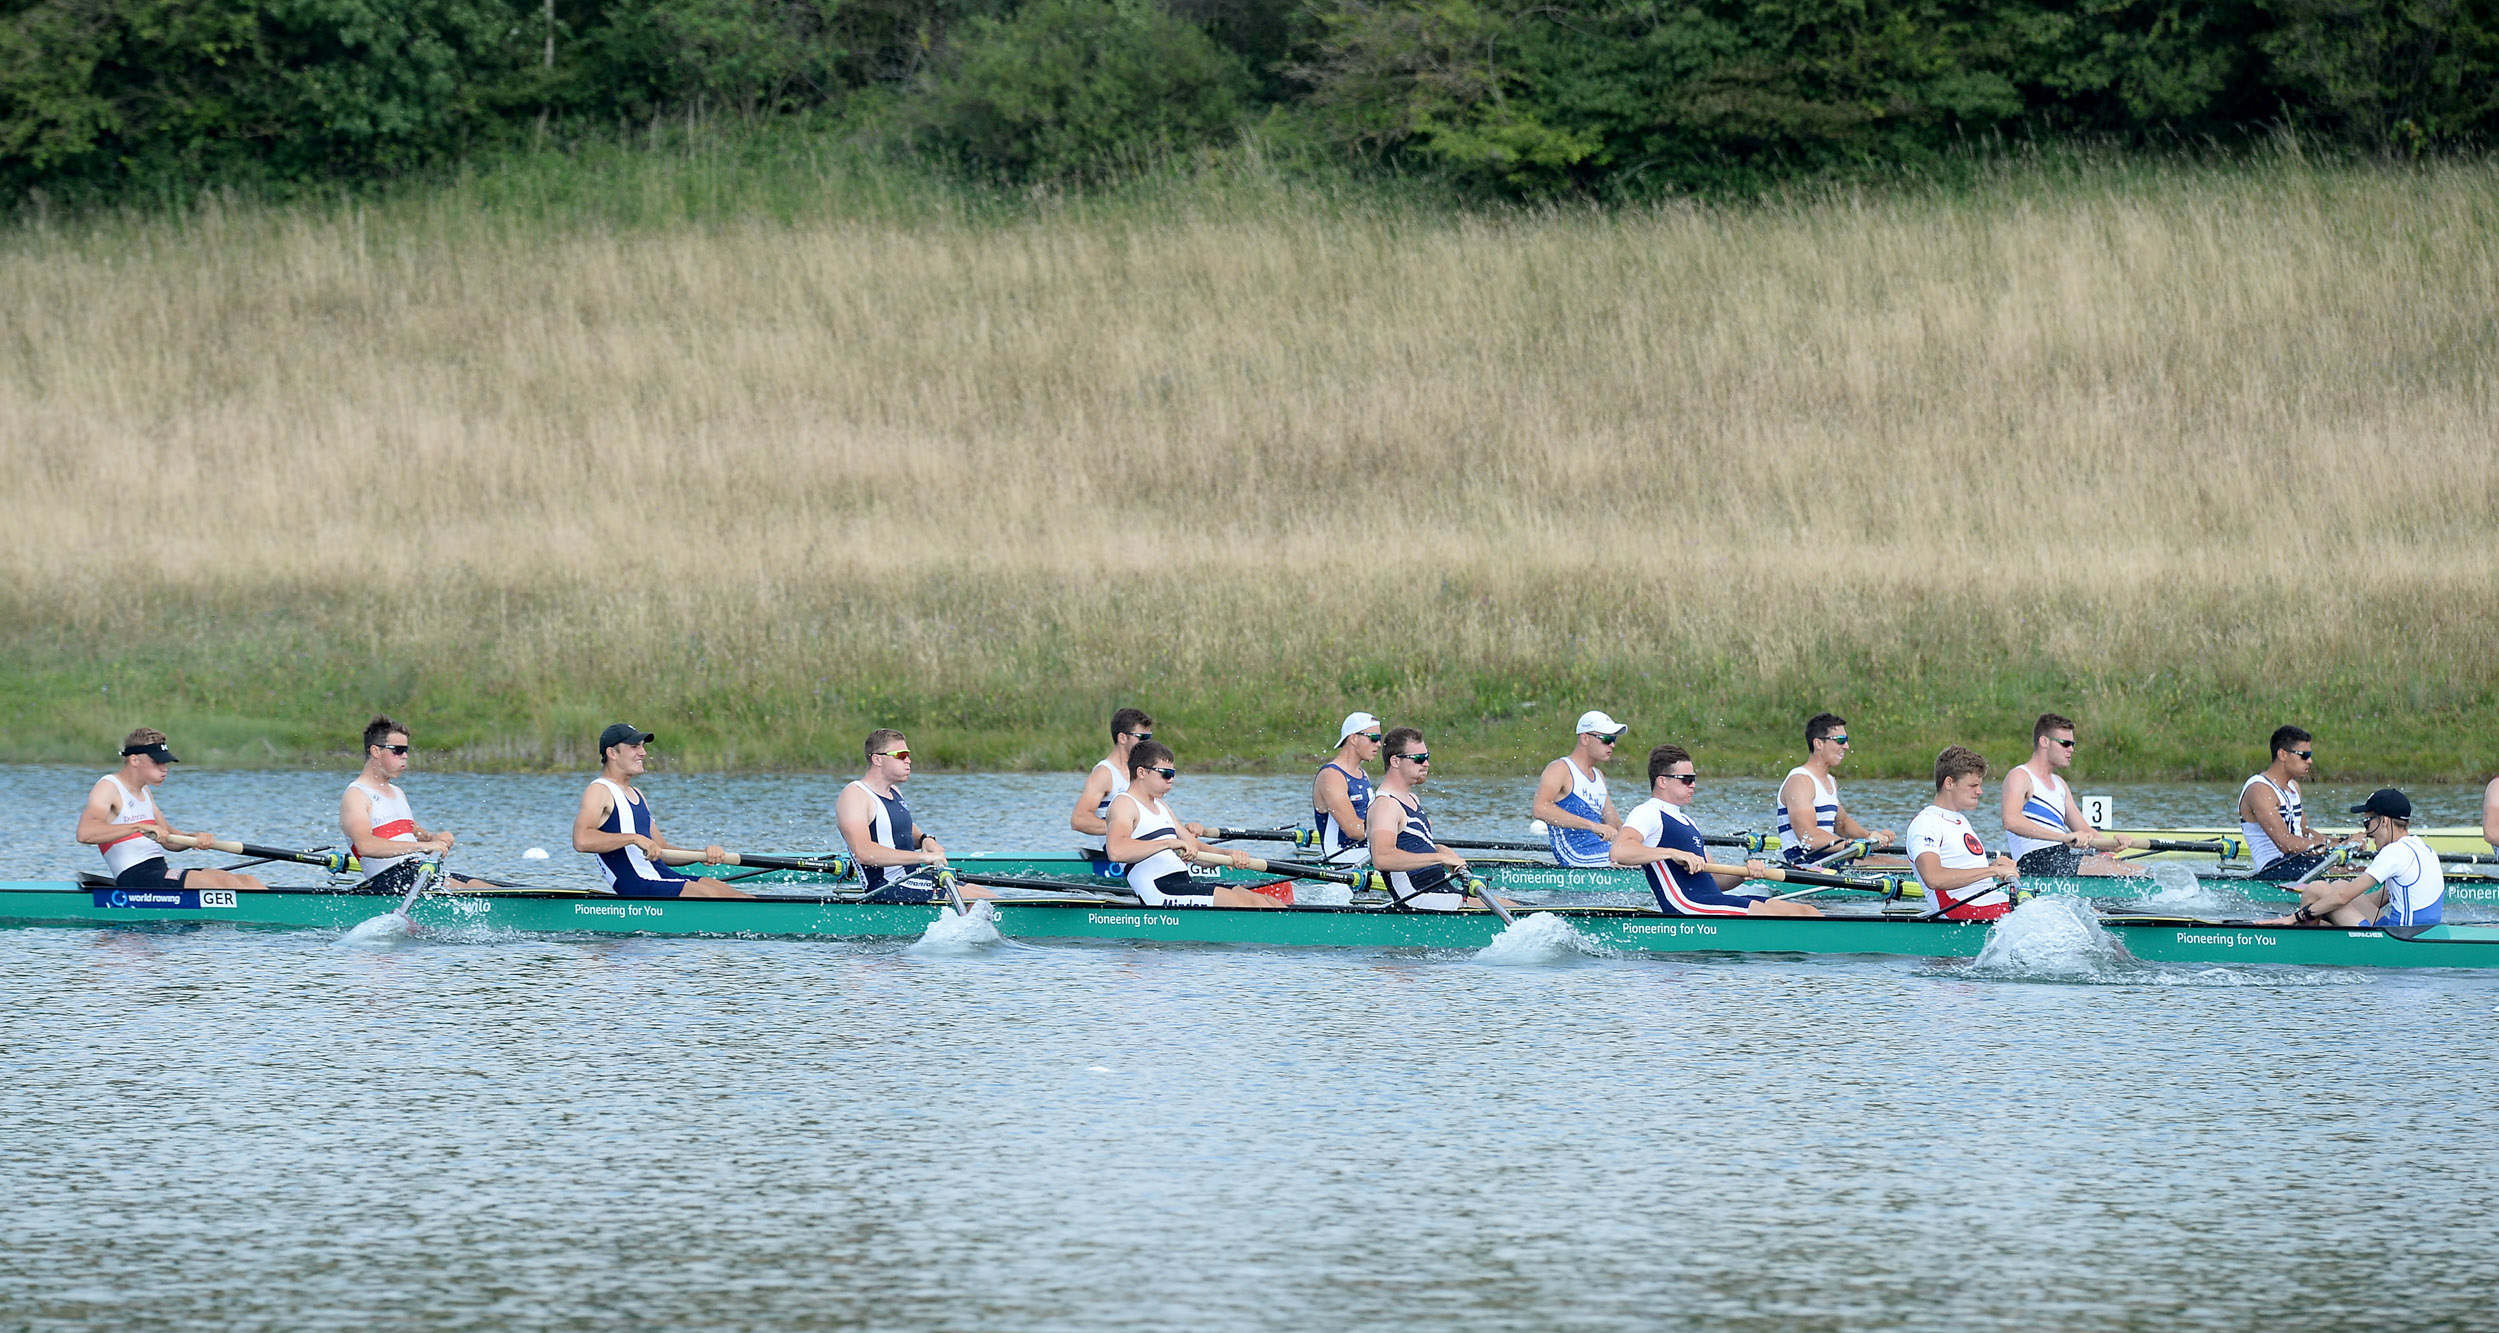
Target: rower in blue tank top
(1418, 870)
(1571, 800)
(615, 825)
(1340, 797)
(897, 858)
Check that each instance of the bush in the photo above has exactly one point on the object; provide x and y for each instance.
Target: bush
(1068, 87)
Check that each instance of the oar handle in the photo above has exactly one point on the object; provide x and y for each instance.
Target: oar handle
(330, 861)
(1258, 865)
(1892, 885)
(2223, 847)
(837, 866)
(1295, 836)
(1473, 887)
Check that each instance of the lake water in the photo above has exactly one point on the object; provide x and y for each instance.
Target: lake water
(242, 1129)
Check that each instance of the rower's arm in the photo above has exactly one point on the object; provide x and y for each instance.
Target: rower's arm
(1931, 872)
(2490, 814)
(589, 837)
(2255, 808)
(1550, 789)
(1329, 795)
(852, 815)
(2076, 820)
(1120, 843)
(2017, 789)
(2326, 895)
(95, 819)
(1797, 794)
(1085, 821)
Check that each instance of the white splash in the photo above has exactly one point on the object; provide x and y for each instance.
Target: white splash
(1538, 939)
(535, 854)
(2180, 891)
(950, 933)
(382, 931)
(2055, 938)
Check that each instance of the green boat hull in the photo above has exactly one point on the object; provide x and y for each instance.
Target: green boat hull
(1618, 929)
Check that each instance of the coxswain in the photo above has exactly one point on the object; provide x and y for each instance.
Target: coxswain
(1659, 836)
(890, 846)
(1571, 799)
(1418, 869)
(2280, 844)
(1809, 787)
(2403, 886)
(121, 820)
(1951, 861)
(2044, 828)
(615, 825)
(381, 830)
(1340, 797)
(1156, 848)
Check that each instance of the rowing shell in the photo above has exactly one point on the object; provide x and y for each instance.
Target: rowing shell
(1622, 929)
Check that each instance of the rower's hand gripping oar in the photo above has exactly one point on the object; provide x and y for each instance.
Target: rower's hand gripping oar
(334, 862)
(1890, 885)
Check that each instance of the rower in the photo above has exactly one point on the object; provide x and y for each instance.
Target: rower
(1571, 799)
(1661, 837)
(1810, 786)
(2490, 814)
(615, 825)
(1951, 861)
(2044, 828)
(121, 820)
(1340, 797)
(2403, 886)
(381, 830)
(883, 837)
(1418, 868)
(1156, 848)
(1130, 728)
(2279, 842)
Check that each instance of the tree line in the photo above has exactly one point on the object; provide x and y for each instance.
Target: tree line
(1604, 98)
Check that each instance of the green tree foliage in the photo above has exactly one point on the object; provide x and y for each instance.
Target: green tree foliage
(1065, 86)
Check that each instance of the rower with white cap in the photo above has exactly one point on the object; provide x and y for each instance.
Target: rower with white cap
(1340, 797)
(1571, 798)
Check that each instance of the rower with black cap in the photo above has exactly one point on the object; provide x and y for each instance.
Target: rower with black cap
(615, 825)
(2403, 885)
(121, 821)
(1571, 800)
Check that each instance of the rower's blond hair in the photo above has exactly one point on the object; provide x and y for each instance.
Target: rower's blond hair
(142, 738)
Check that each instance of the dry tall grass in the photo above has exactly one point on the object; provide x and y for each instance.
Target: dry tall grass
(2234, 428)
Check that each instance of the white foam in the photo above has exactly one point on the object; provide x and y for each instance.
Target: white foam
(2181, 892)
(1537, 939)
(964, 933)
(386, 929)
(2052, 938)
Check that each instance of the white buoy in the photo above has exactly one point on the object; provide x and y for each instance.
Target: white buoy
(535, 854)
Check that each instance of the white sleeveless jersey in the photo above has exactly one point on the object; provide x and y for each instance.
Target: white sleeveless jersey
(1826, 812)
(392, 821)
(2045, 805)
(629, 821)
(1153, 821)
(1102, 808)
(2260, 849)
(1586, 799)
(131, 849)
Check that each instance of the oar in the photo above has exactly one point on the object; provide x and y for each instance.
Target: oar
(1474, 888)
(954, 893)
(1820, 880)
(1295, 869)
(836, 866)
(1093, 886)
(334, 862)
(1299, 837)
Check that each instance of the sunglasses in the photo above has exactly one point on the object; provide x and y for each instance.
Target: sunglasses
(1166, 774)
(1371, 736)
(895, 754)
(1687, 779)
(394, 749)
(2302, 755)
(1418, 757)
(1841, 739)
(1138, 735)
(1611, 740)
(2067, 744)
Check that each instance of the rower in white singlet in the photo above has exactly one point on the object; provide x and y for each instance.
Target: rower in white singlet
(382, 831)
(1156, 849)
(2271, 818)
(1807, 813)
(2044, 828)
(1420, 871)
(121, 820)
(1109, 778)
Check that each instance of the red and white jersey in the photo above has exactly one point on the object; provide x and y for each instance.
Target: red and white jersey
(131, 848)
(1948, 834)
(387, 810)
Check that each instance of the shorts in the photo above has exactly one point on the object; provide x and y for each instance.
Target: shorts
(2428, 916)
(1982, 912)
(1178, 889)
(398, 879)
(1706, 896)
(650, 888)
(152, 873)
(909, 890)
(2289, 867)
(2052, 861)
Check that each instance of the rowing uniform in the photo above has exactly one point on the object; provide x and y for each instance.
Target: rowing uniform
(1681, 892)
(1337, 843)
(137, 860)
(890, 825)
(630, 873)
(1948, 834)
(2416, 886)
(1163, 879)
(392, 821)
(2046, 805)
(1422, 890)
(1826, 814)
(1097, 850)
(1586, 799)
(2272, 862)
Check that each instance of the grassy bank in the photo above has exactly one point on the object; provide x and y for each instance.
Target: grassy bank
(762, 453)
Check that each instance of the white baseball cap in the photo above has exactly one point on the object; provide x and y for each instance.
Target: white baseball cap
(1355, 722)
(1594, 722)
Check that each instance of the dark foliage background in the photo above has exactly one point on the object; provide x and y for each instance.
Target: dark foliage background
(1611, 98)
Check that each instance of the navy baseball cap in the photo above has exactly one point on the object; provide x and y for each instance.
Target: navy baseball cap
(155, 751)
(622, 733)
(2388, 802)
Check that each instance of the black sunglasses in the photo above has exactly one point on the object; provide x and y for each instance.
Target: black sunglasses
(1418, 757)
(2302, 754)
(1687, 779)
(394, 749)
(2066, 743)
(1166, 774)
(1371, 736)
(1138, 735)
(1838, 738)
